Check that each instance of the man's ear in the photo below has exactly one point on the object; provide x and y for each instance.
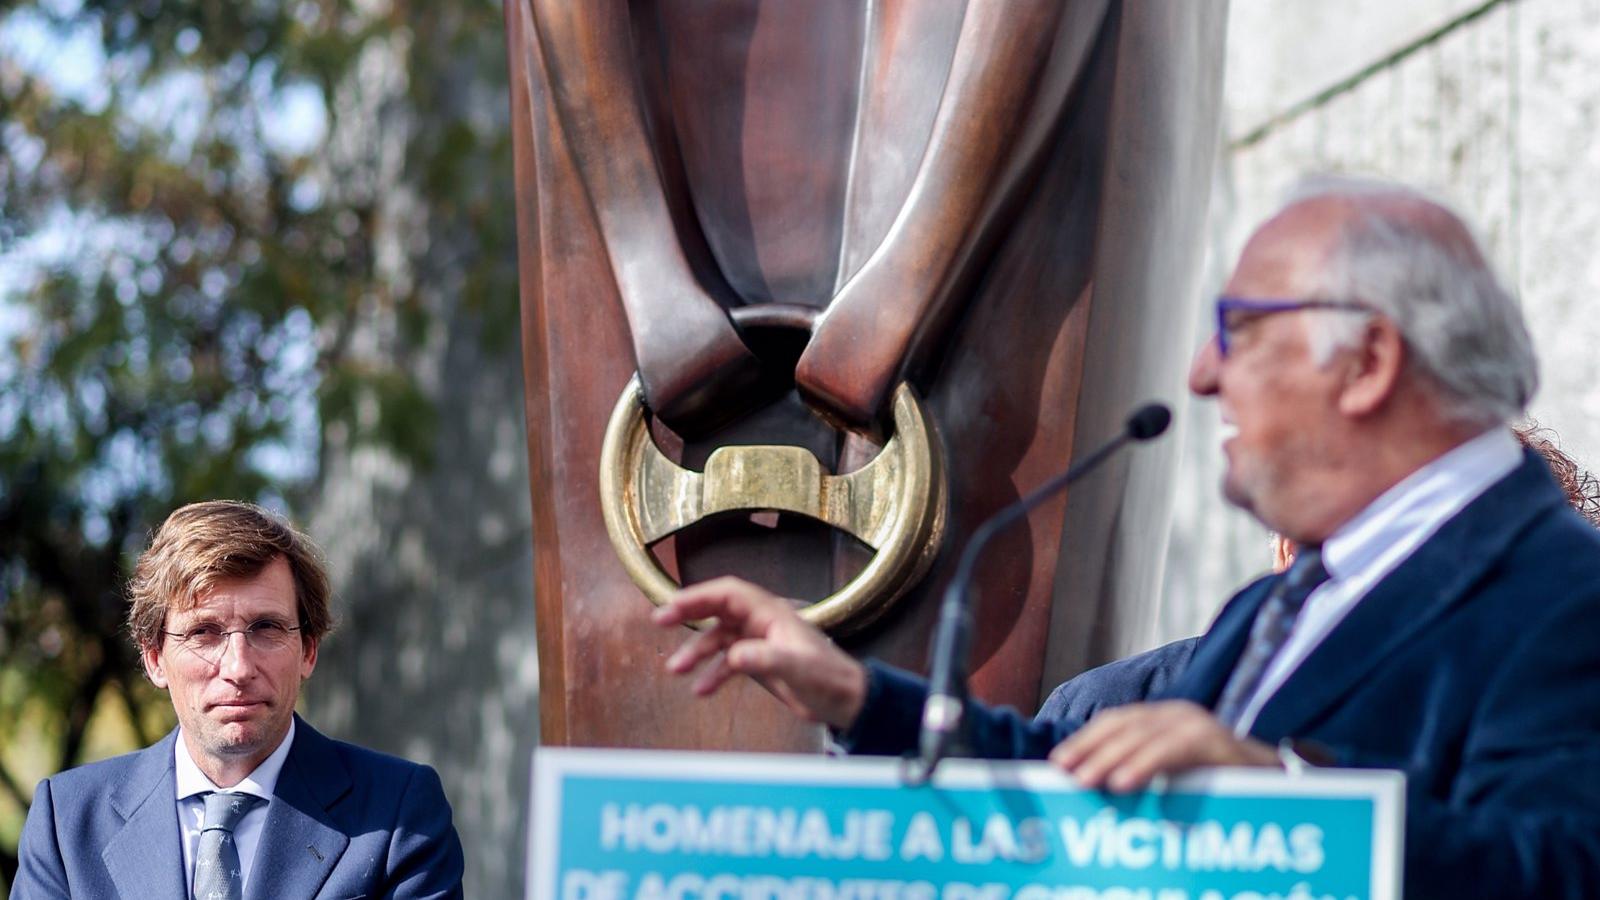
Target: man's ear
(154, 665)
(308, 660)
(1373, 368)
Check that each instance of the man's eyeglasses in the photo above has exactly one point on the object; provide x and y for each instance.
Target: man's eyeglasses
(208, 641)
(1234, 312)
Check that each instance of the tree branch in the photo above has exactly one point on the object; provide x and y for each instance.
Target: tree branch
(135, 714)
(9, 783)
(80, 710)
(8, 866)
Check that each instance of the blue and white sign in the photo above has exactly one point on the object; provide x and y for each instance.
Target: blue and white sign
(642, 825)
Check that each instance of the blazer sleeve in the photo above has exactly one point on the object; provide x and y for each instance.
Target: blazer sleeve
(1522, 813)
(425, 856)
(1135, 679)
(41, 873)
(890, 720)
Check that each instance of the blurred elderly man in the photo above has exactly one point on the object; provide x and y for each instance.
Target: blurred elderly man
(243, 799)
(1442, 616)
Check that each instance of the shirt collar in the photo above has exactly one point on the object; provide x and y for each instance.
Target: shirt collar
(1422, 501)
(260, 783)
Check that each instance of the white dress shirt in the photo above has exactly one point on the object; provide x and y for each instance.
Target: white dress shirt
(192, 807)
(1379, 538)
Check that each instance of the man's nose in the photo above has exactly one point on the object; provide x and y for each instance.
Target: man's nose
(1203, 368)
(238, 658)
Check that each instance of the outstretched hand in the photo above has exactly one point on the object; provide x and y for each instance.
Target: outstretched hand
(750, 631)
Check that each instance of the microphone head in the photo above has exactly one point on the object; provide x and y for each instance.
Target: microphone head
(1149, 421)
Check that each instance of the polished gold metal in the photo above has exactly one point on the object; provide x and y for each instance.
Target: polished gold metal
(895, 504)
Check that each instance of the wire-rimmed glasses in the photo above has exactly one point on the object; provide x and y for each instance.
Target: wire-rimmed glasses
(209, 640)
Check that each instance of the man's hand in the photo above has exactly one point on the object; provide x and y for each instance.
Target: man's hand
(760, 635)
(1123, 748)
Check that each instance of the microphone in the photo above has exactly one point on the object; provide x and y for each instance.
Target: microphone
(943, 714)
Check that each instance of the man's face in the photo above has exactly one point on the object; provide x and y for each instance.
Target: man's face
(1278, 406)
(238, 705)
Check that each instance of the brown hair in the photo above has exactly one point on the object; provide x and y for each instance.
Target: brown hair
(1581, 487)
(203, 542)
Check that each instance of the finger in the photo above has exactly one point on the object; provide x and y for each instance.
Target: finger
(726, 599)
(787, 696)
(816, 680)
(1104, 726)
(1187, 737)
(714, 677)
(667, 614)
(683, 608)
(1165, 755)
(697, 649)
(1111, 752)
(781, 690)
(759, 658)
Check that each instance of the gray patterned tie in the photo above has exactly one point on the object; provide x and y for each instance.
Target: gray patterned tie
(1270, 631)
(217, 875)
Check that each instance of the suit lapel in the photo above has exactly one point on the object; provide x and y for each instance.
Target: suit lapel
(301, 842)
(147, 803)
(1428, 583)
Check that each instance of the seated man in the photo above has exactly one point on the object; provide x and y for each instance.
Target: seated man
(1442, 616)
(229, 607)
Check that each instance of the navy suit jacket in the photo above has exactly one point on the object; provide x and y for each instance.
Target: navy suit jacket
(1474, 668)
(1132, 680)
(345, 822)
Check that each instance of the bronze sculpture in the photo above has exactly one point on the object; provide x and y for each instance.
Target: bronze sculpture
(929, 193)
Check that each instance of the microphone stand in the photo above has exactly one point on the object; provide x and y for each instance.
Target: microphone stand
(944, 714)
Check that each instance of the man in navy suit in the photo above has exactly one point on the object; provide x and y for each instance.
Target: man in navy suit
(1442, 616)
(243, 799)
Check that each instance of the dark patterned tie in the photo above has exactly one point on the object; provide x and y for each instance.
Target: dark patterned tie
(217, 875)
(1273, 624)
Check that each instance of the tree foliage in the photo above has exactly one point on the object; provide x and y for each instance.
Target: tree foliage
(189, 237)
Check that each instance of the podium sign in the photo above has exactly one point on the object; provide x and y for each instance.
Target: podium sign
(645, 825)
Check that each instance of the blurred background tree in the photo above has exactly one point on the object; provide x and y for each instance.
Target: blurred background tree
(265, 250)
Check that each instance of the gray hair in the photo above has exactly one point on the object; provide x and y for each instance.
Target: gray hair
(1464, 331)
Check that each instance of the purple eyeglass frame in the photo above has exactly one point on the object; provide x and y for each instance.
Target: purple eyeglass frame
(1269, 305)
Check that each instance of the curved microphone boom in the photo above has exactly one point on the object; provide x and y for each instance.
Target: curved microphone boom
(944, 713)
